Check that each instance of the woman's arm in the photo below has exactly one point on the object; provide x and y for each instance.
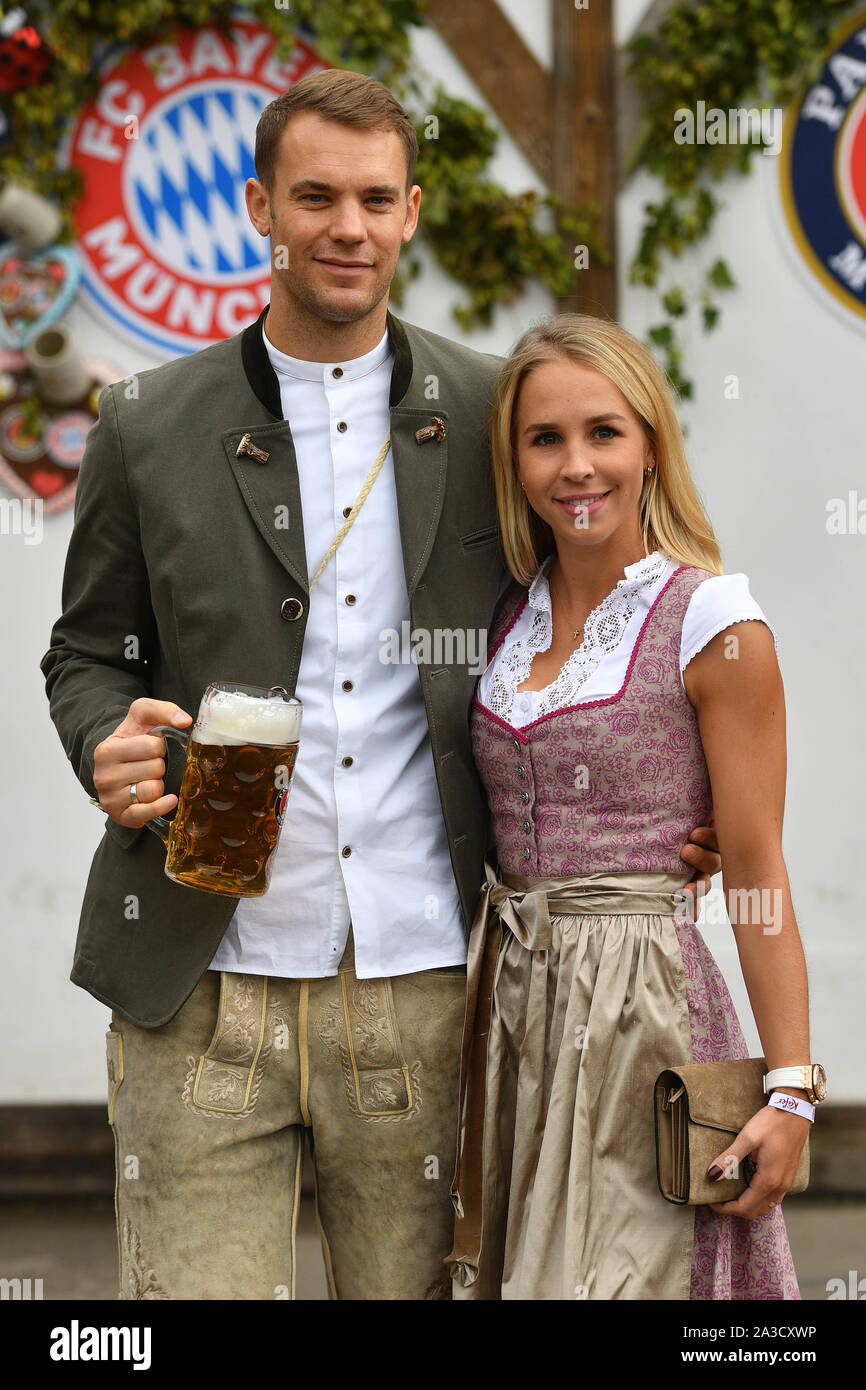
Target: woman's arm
(735, 686)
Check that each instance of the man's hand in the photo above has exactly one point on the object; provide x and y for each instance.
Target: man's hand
(701, 853)
(130, 755)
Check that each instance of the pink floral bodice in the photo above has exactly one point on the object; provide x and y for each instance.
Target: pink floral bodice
(607, 786)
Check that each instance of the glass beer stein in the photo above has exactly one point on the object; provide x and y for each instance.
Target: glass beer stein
(240, 756)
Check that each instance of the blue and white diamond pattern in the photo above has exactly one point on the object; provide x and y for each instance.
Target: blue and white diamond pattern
(185, 179)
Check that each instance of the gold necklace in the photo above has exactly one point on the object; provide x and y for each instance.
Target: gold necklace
(575, 631)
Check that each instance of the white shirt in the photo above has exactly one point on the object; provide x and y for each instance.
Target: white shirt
(597, 668)
(397, 885)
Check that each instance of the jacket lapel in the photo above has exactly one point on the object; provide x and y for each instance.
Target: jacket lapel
(271, 491)
(270, 487)
(419, 476)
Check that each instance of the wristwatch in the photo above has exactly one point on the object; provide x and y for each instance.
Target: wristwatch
(812, 1079)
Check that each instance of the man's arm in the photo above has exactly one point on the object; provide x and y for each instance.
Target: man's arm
(701, 853)
(96, 664)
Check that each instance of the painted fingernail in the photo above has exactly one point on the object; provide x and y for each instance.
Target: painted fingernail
(715, 1173)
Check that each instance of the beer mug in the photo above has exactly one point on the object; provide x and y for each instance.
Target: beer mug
(240, 756)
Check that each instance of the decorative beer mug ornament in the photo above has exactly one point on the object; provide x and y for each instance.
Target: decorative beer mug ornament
(240, 756)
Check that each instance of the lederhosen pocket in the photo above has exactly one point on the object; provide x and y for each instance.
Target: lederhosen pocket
(379, 1075)
(229, 1073)
(114, 1065)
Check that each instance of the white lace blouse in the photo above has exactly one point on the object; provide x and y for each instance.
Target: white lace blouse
(597, 668)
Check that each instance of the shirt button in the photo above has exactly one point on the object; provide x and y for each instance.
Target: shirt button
(348, 685)
(515, 743)
(527, 853)
(526, 826)
(338, 371)
(346, 511)
(350, 599)
(521, 771)
(347, 761)
(524, 797)
(346, 851)
(342, 426)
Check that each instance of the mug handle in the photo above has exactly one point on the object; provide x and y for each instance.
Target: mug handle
(160, 825)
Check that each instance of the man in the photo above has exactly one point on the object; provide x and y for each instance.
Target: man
(206, 499)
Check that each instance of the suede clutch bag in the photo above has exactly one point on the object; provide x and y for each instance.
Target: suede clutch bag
(699, 1109)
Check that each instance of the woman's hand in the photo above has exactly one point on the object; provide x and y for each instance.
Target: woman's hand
(774, 1139)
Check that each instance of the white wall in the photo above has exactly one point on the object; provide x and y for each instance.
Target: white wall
(766, 465)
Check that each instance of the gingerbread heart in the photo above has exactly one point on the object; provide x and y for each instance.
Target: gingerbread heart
(35, 290)
(45, 483)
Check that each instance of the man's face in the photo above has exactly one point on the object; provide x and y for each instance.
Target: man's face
(337, 217)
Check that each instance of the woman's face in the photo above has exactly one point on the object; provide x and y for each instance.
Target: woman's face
(581, 453)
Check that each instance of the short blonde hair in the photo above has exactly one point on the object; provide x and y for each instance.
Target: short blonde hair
(671, 512)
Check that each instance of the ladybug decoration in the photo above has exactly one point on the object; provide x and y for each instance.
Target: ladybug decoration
(24, 58)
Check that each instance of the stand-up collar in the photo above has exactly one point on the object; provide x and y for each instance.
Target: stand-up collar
(263, 378)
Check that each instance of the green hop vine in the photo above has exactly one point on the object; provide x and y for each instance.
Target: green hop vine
(729, 54)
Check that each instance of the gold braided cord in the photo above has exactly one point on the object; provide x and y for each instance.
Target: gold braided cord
(359, 502)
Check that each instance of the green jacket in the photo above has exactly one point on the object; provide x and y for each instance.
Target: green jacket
(174, 544)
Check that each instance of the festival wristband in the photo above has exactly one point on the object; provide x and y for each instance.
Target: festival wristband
(781, 1101)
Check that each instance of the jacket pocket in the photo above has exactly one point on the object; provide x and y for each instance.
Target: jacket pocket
(485, 536)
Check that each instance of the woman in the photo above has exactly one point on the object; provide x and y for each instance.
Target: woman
(626, 674)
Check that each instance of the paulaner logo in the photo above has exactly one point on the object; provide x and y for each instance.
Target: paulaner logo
(823, 172)
(75, 1343)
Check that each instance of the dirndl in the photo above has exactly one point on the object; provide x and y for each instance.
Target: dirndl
(580, 991)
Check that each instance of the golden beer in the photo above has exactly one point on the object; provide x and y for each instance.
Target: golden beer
(241, 754)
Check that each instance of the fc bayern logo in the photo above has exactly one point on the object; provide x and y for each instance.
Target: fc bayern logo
(824, 172)
(170, 256)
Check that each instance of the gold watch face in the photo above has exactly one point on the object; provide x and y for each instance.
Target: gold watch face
(819, 1081)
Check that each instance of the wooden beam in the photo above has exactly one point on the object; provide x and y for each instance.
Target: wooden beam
(584, 136)
(505, 71)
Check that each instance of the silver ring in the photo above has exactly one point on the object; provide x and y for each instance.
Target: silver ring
(133, 792)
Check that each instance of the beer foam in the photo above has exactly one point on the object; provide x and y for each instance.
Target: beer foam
(233, 717)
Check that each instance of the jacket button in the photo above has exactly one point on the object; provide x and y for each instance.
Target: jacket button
(526, 826)
(291, 608)
(521, 770)
(524, 797)
(515, 743)
(527, 853)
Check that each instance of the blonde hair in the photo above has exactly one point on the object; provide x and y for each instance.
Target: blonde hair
(671, 512)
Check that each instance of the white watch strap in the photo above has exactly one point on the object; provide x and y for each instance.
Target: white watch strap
(787, 1076)
(779, 1100)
